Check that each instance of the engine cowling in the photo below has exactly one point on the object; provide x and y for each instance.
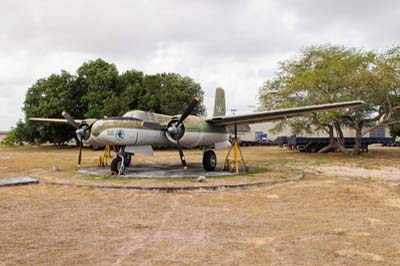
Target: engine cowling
(195, 131)
(187, 138)
(175, 132)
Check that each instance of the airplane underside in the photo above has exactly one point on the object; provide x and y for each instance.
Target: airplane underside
(124, 156)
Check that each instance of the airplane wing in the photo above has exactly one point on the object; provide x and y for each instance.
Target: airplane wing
(53, 120)
(273, 115)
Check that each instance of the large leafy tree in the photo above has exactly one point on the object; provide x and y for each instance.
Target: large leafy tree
(167, 93)
(48, 98)
(326, 74)
(176, 90)
(99, 81)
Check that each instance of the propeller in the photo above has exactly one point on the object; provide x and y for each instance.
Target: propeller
(181, 155)
(176, 129)
(82, 133)
(70, 120)
(188, 110)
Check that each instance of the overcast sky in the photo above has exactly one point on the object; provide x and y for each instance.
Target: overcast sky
(232, 44)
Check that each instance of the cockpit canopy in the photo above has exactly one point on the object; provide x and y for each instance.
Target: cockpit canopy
(148, 116)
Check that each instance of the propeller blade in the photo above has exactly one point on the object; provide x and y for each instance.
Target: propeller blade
(181, 155)
(188, 110)
(70, 120)
(80, 153)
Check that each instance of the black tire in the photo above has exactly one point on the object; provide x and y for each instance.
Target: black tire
(313, 148)
(115, 164)
(209, 160)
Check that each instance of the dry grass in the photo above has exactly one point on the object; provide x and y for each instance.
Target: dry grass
(322, 220)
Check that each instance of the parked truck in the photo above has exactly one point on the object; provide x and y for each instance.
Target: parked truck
(316, 144)
(261, 138)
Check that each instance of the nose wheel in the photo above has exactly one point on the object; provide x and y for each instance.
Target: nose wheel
(120, 162)
(118, 165)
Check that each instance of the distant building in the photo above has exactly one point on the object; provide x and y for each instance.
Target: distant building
(379, 132)
(255, 129)
(3, 135)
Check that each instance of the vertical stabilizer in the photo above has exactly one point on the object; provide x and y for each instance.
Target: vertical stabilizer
(219, 104)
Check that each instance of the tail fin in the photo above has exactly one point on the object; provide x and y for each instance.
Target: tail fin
(219, 104)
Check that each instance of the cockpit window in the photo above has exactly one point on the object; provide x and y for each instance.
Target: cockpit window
(138, 114)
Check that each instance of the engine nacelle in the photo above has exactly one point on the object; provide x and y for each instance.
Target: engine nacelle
(194, 131)
(91, 141)
(192, 139)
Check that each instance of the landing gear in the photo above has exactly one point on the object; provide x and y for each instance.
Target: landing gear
(209, 160)
(127, 159)
(120, 162)
(118, 165)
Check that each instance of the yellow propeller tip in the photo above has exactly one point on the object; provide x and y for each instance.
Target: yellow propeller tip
(63, 113)
(197, 98)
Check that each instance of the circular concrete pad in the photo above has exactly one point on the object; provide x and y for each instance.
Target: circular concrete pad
(158, 170)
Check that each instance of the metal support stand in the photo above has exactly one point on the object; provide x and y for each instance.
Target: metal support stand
(103, 160)
(236, 151)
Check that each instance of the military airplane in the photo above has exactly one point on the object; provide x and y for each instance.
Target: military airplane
(137, 131)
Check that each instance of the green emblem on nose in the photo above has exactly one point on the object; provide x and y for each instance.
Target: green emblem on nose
(120, 134)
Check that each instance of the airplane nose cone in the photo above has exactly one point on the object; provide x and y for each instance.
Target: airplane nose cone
(96, 128)
(172, 130)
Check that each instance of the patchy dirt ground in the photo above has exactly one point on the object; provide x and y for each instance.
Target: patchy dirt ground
(386, 173)
(325, 219)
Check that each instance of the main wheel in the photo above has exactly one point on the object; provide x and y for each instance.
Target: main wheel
(117, 166)
(209, 160)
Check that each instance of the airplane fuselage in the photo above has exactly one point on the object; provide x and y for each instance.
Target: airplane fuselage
(131, 130)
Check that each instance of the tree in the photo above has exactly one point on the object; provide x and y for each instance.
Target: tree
(326, 74)
(48, 98)
(9, 139)
(395, 130)
(98, 80)
(131, 85)
(176, 92)
(166, 93)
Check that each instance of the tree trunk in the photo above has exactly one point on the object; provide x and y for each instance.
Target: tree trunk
(332, 142)
(358, 144)
(340, 138)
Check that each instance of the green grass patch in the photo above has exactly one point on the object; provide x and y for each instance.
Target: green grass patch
(340, 233)
(319, 162)
(373, 180)
(283, 177)
(255, 170)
